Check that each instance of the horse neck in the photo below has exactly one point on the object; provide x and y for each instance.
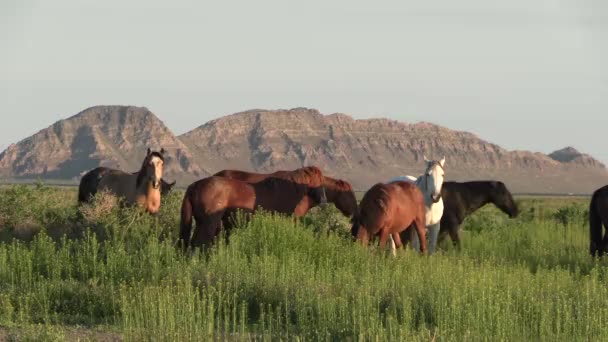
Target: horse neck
(477, 198)
(423, 184)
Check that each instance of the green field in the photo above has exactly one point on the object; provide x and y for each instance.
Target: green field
(100, 272)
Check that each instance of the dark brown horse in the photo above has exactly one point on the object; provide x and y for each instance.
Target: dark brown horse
(337, 191)
(141, 188)
(208, 199)
(598, 218)
(461, 199)
(89, 182)
(388, 209)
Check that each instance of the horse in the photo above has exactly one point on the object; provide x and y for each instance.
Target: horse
(336, 191)
(89, 182)
(341, 194)
(388, 209)
(598, 217)
(463, 199)
(208, 199)
(430, 184)
(140, 188)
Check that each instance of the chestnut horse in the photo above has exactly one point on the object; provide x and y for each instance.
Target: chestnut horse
(388, 209)
(141, 188)
(337, 191)
(208, 199)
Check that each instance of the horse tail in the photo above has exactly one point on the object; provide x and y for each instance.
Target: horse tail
(595, 227)
(186, 218)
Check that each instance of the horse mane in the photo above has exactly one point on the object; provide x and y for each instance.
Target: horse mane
(307, 175)
(374, 204)
(337, 184)
(140, 173)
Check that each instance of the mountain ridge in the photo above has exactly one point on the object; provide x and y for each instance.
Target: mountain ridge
(363, 151)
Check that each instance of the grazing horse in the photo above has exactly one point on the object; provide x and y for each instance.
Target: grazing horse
(463, 199)
(89, 182)
(388, 209)
(341, 194)
(336, 191)
(208, 199)
(141, 188)
(598, 217)
(430, 184)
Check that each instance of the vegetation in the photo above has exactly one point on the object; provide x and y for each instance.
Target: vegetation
(117, 271)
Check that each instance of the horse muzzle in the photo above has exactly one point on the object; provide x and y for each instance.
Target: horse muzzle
(156, 184)
(435, 198)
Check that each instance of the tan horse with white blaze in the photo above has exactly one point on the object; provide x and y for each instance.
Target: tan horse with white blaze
(143, 187)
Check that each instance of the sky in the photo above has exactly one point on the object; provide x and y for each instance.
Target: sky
(528, 75)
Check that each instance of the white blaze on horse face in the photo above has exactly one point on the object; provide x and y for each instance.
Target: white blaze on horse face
(158, 164)
(436, 174)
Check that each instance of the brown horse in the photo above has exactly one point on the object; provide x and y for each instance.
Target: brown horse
(141, 188)
(341, 194)
(337, 191)
(208, 199)
(388, 209)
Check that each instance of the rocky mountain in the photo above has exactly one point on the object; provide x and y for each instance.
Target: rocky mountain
(360, 151)
(113, 136)
(373, 150)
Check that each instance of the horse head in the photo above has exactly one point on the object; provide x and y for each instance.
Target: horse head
(165, 187)
(317, 194)
(152, 168)
(502, 198)
(341, 194)
(434, 176)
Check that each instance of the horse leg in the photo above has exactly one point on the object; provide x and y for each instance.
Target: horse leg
(384, 235)
(414, 238)
(433, 233)
(395, 242)
(207, 230)
(393, 247)
(421, 230)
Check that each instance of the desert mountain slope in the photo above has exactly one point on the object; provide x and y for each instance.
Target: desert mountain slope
(361, 151)
(369, 151)
(114, 136)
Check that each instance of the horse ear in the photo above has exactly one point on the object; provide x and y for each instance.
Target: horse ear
(148, 152)
(442, 161)
(162, 151)
(425, 160)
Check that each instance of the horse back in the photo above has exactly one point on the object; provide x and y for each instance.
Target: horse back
(215, 193)
(281, 195)
(120, 183)
(249, 177)
(408, 201)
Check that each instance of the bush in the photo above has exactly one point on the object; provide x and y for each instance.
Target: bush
(571, 214)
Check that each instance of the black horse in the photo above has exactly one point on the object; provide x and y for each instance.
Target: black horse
(89, 182)
(598, 217)
(461, 200)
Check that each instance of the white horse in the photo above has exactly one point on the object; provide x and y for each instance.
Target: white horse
(430, 184)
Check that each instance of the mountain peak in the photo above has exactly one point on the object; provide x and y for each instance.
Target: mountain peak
(113, 136)
(571, 155)
(362, 152)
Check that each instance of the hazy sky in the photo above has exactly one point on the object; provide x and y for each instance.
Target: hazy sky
(524, 74)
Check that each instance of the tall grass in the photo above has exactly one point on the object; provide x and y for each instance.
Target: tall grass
(524, 279)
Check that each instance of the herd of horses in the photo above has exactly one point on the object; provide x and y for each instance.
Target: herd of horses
(398, 212)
